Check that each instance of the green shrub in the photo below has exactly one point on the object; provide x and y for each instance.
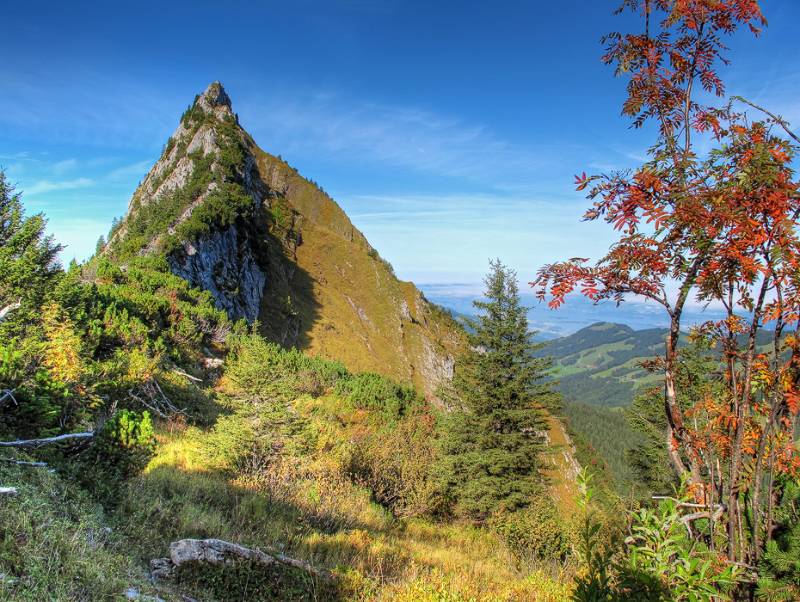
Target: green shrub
(369, 391)
(779, 578)
(258, 367)
(537, 532)
(396, 465)
(119, 452)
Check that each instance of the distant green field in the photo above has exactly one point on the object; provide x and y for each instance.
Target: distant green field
(599, 372)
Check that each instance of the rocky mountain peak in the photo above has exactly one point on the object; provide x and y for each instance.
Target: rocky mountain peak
(214, 96)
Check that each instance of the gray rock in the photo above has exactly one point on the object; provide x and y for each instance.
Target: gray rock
(134, 594)
(161, 568)
(225, 265)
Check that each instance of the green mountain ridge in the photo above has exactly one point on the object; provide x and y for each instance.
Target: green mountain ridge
(601, 364)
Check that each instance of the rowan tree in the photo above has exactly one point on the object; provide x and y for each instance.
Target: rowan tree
(719, 227)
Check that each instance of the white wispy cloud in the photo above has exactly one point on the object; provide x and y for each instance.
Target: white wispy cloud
(81, 107)
(450, 238)
(45, 186)
(137, 169)
(398, 136)
(61, 167)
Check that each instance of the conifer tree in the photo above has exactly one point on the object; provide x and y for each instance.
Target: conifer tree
(29, 264)
(495, 433)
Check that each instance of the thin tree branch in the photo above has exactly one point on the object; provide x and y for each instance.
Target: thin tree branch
(7, 394)
(777, 119)
(24, 463)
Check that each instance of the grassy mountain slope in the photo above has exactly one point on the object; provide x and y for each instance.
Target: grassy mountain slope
(301, 457)
(271, 245)
(355, 309)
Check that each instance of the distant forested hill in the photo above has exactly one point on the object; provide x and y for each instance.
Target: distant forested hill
(601, 364)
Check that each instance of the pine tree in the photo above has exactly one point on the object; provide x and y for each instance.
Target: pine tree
(29, 264)
(494, 435)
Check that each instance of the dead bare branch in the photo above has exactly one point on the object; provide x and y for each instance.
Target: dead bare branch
(189, 376)
(776, 118)
(24, 463)
(152, 397)
(34, 443)
(6, 394)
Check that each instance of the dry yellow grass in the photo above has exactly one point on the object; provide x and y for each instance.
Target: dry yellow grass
(312, 514)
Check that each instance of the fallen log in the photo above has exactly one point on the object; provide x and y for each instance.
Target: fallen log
(217, 551)
(34, 443)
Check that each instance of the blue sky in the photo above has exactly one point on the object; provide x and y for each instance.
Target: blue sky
(449, 131)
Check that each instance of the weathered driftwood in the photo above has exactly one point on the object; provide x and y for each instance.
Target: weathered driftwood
(34, 443)
(217, 551)
(8, 309)
(24, 463)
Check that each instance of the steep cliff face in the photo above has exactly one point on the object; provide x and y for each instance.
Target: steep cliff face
(270, 245)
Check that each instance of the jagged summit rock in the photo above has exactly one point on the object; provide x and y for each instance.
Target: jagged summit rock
(215, 96)
(272, 246)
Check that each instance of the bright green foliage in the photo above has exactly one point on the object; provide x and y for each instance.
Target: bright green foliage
(266, 370)
(369, 391)
(594, 552)
(121, 450)
(663, 563)
(657, 563)
(495, 432)
(780, 565)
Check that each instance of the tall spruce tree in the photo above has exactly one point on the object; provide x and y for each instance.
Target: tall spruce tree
(495, 432)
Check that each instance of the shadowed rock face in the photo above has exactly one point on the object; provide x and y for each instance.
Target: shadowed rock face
(288, 256)
(224, 264)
